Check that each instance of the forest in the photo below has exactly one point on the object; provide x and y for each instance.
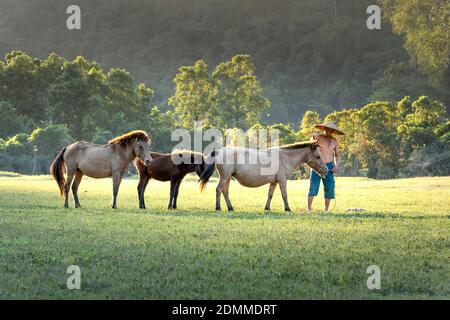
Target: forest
(159, 65)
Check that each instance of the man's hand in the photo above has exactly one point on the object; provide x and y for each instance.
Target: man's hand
(335, 168)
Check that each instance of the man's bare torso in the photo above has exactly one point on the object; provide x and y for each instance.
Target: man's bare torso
(327, 147)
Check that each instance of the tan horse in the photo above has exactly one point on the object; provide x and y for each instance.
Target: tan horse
(250, 175)
(99, 161)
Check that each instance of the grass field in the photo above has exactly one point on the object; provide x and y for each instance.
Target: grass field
(195, 253)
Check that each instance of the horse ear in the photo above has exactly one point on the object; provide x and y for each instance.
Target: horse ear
(213, 153)
(313, 146)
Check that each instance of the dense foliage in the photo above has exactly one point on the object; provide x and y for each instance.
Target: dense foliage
(425, 24)
(46, 104)
(229, 64)
(307, 53)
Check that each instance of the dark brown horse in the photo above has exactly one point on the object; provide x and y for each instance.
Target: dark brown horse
(171, 167)
(98, 161)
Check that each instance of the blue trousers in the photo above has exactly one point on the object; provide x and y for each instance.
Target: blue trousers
(328, 183)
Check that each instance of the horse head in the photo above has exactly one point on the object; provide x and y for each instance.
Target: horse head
(142, 151)
(315, 161)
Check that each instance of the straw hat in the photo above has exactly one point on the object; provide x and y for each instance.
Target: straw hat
(329, 125)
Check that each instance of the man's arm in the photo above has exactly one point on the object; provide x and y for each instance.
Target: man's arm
(337, 157)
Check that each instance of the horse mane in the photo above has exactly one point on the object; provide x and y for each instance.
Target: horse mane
(298, 145)
(130, 136)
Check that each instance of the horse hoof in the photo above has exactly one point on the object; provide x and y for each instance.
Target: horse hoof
(218, 209)
(267, 209)
(230, 209)
(287, 209)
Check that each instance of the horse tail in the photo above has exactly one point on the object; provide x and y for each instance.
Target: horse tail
(209, 170)
(57, 169)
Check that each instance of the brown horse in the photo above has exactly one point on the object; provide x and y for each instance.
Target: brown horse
(99, 161)
(249, 175)
(165, 167)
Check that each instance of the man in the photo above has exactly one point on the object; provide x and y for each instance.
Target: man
(329, 149)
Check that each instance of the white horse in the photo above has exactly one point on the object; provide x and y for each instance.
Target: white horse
(256, 174)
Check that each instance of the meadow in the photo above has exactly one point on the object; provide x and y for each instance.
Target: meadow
(197, 253)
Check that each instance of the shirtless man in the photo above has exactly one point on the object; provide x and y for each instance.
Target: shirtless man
(329, 149)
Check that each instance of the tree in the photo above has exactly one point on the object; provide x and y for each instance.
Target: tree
(20, 85)
(403, 79)
(196, 95)
(286, 133)
(422, 125)
(310, 118)
(102, 136)
(69, 97)
(241, 99)
(346, 120)
(11, 122)
(16, 153)
(48, 141)
(121, 96)
(376, 144)
(425, 24)
(160, 126)
(144, 97)
(51, 139)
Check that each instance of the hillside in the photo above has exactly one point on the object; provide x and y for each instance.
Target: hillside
(304, 55)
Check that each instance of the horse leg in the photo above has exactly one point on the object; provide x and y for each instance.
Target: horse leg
(175, 196)
(143, 181)
(219, 190)
(172, 193)
(270, 195)
(75, 185)
(226, 195)
(117, 179)
(283, 189)
(70, 175)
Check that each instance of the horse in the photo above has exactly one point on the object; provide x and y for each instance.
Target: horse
(249, 175)
(164, 168)
(99, 161)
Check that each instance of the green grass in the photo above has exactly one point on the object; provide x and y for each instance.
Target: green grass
(195, 252)
(9, 174)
